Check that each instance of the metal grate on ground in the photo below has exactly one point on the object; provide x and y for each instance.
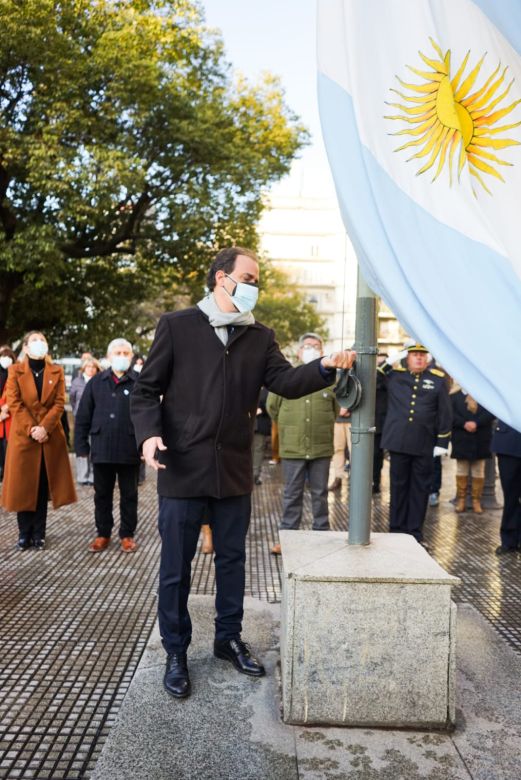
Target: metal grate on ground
(74, 625)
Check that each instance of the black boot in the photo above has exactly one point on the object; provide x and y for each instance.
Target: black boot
(239, 654)
(176, 680)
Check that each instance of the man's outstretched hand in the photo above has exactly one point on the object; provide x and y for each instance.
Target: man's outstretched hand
(343, 359)
(149, 448)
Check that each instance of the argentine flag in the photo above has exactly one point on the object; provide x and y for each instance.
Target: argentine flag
(420, 103)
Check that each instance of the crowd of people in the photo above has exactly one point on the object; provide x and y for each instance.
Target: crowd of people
(419, 410)
(201, 410)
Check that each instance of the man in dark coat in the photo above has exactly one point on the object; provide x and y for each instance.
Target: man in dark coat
(417, 426)
(506, 443)
(195, 405)
(104, 429)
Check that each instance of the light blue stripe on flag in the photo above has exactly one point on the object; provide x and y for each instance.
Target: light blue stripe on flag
(506, 16)
(407, 256)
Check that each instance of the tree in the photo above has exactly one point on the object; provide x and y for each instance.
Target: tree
(128, 156)
(283, 307)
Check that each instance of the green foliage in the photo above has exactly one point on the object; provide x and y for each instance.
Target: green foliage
(282, 307)
(128, 156)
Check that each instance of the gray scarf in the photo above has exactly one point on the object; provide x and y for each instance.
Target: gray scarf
(221, 319)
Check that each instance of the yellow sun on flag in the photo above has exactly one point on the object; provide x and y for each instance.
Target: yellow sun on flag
(452, 125)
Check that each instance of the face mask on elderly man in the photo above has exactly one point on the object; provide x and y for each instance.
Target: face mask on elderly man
(310, 353)
(120, 363)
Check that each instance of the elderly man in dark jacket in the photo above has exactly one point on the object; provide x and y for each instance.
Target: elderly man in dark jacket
(103, 417)
(195, 405)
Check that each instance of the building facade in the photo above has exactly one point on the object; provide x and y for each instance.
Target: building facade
(303, 234)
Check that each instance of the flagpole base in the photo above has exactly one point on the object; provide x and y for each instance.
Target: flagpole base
(368, 633)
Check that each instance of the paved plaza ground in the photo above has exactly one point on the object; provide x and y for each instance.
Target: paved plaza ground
(75, 625)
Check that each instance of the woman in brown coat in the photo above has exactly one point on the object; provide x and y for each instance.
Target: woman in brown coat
(37, 465)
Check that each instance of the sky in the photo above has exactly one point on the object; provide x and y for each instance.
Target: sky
(279, 36)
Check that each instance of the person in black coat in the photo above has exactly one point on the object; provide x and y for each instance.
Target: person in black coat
(261, 435)
(195, 405)
(506, 443)
(471, 436)
(103, 416)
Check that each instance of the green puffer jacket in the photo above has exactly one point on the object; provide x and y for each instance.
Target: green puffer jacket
(305, 424)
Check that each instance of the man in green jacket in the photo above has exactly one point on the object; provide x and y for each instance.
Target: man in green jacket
(306, 428)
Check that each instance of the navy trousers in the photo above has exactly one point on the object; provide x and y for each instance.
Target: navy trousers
(411, 478)
(510, 476)
(179, 523)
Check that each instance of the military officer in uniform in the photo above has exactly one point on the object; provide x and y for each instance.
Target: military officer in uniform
(417, 426)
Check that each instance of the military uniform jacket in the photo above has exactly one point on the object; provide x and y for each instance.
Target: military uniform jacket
(419, 415)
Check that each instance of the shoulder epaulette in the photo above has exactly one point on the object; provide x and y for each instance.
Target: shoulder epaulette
(437, 372)
(400, 368)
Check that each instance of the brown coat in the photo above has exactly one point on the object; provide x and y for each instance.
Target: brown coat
(24, 454)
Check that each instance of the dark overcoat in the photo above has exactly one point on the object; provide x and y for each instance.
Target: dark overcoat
(103, 427)
(466, 445)
(24, 454)
(201, 397)
(263, 420)
(506, 440)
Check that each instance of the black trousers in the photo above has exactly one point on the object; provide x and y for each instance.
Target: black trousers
(105, 475)
(436, 475)
(378, 460)
(32, 525)
(3, 453)
(179, 524)
(411, 478)
(510, 476)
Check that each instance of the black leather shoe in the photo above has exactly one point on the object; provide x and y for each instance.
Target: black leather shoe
(238, 652)
(38, 544)
(23, 543)
(176, 680)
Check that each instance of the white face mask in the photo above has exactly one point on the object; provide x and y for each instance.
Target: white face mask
(37, 349)
(86, 378)
(120, 363)
(309, 354)
(245, 296)
(6, 361)
(138, 368)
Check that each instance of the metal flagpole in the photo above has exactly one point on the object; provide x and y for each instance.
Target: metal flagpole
(362, 418)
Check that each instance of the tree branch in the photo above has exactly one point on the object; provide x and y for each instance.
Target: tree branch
(105, 247)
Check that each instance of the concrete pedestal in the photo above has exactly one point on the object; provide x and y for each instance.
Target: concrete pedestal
(368, 633)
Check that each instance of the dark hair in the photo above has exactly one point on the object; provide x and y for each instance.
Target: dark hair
(225, 261)
(6, 351)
